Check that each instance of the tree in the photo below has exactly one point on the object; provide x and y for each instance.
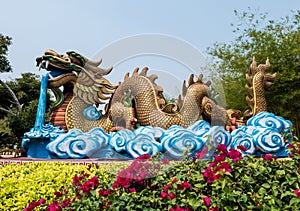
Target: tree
(18, 100)
(256, 36)
(5, 41)
(19, 109)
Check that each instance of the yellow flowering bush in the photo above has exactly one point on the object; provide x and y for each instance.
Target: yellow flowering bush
(22, 183)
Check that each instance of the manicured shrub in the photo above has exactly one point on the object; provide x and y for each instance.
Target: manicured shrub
(28, 182)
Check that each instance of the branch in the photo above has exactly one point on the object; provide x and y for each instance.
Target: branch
(19, 107)
(7, 111)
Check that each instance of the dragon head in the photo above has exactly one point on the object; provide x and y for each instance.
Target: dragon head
(85, 75)
(67, 67)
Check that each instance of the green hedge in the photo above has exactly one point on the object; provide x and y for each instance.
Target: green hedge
(228, 182)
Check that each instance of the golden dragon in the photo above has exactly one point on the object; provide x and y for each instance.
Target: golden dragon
(137, 100)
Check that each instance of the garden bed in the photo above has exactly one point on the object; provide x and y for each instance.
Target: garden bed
(228, 182)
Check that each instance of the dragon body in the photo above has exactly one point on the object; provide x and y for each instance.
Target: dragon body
(258, 81)
(137, 99)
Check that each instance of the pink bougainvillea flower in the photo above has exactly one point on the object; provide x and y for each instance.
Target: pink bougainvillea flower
(235, 155)
(65, 203)
(172, 196)
(183, 185)
(42, 201)
(31, 206)
(202, 153)
(207, 201)
(222, 148)
(104, 192)
(132, 190)
(243, 148)
(167, 187)
(54, 206)
(163, 195)
(144, 157)
(297, 192)
(210, 175)
(165, 161)
(219, 158)
(224, 166)
(268, 157)
(58, 194)
(180, 209)
(75, 180)
(174, 180)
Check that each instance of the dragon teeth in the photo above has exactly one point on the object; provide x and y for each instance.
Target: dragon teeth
(47, 64)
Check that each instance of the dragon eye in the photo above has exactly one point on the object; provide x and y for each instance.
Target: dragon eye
(68, 59)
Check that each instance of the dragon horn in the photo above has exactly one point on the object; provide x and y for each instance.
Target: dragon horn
(200, 77)
(100, 71)
(191, 80)
(94, 63)
(268, 62)
(253, 66)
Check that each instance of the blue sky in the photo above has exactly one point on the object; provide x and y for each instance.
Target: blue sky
(90, 25)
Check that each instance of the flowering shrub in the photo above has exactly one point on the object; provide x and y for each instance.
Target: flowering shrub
(228, 182)
(37, 182)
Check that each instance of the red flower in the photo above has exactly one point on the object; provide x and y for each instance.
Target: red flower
(165, 161)
(42, 201)
(75, 180)
(183, 185)
(268, 157)
(297, 192)
(65, 203)
(222, 148)
(163, 195)
(175, 180)
(104, 192)
(58, 194)
(180, 209)
(167, 187)
(54, 206)
(224, 166)
(144, 157)
(210, 175)
(243, 148)
(202, 153)
(235, 155)
(31, 206)
(219, 158)
(206, 201)
(132, 190)
(172, 196)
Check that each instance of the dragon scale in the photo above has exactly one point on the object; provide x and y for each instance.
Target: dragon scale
(146, 104)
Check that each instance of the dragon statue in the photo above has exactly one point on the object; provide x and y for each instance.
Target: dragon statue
(89, 114)
(138, 100)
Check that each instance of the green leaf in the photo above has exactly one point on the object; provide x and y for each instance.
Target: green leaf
(266, 185)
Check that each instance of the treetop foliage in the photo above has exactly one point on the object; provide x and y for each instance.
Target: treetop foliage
(257, 36)
(5, 41)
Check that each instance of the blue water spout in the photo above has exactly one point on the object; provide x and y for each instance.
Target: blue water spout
(40, 114)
